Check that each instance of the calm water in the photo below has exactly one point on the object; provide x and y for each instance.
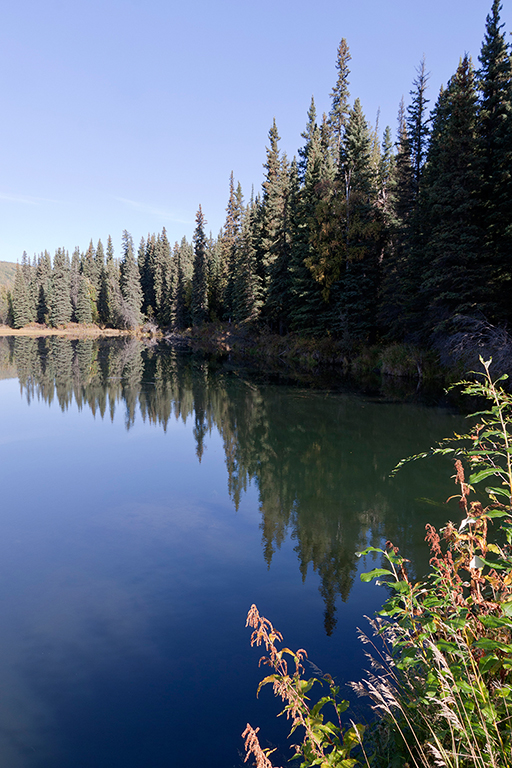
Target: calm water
(148, 499)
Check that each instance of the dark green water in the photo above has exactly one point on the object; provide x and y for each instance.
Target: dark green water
(148, 498)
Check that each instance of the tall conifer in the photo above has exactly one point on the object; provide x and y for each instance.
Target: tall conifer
(60, 302)
(339, 112)
(418, 124)
(130, 285)
(495, 142)
(199, 305)
(453, 275)
(20, 300)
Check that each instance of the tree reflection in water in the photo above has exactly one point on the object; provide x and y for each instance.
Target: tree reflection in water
(319, 459)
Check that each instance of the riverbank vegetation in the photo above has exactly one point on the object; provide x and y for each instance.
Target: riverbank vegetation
(360, 239)
(441, 659)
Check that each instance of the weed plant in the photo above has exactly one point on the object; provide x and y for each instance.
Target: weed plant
(440, 679)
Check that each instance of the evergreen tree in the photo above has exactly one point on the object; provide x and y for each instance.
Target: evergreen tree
(216, 292)
(30, 282)
(307, 135)
(246, 288)
(356, 267)
(99, 260)
(74, 280)
(340, 94)
(165, 286)
(91, 270)
(278, 299)
(453, 276)
(20, 300)
(83, 310)
(130, 285)
(60, 303)
(312, 232)
(273, 246)
(230, 243)
(417, 124)
(112, 289)
(181, 319)
(199, 304)
(495, 143)
(43, 278)
(146, 257)
(398, 209)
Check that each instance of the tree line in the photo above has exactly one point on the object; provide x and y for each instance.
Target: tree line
(355, 237)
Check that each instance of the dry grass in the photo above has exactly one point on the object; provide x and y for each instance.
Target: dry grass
(71, 330)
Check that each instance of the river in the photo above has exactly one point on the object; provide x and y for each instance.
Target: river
(149, 497)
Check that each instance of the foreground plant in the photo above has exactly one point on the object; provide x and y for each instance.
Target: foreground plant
(441, 676)
(323, 742)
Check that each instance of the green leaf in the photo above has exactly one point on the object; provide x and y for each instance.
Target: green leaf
(318, 706)
(496, 622)
(370, 549)
(477, 476)
(370, 575)
(489, 663)
(493, 645)
(498, 512)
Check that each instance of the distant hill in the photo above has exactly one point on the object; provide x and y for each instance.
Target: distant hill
(7, 273)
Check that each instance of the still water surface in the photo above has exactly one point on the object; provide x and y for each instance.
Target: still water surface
(148, 498)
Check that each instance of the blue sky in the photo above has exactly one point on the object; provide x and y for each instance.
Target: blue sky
(128, 114)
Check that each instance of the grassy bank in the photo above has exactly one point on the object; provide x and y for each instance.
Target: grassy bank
(309, 354)
(446, 359)
(71, 330)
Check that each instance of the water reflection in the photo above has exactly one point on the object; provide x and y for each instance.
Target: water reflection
(319, 460)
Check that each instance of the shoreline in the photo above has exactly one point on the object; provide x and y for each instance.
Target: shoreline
(73, 330)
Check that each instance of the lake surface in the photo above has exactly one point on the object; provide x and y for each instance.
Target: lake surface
(149, 497)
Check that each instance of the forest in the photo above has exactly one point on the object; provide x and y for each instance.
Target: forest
(357, 237)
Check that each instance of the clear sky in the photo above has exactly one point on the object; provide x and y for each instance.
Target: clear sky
(128, 114)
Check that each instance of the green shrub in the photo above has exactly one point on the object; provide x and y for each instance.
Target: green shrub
(441, 679)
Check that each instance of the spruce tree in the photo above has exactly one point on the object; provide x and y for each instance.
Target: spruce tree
(395, 289)
(182, 316)
(271, 205)
(278, 298)
(43, 278)
(246, 285)
(29, 273)
(495, 144)
(307, 135)
(146, 262)
(83, 310)
(60, 310)
(354, 292)
(74, 280)
(215, 279)
(339, 112)
(111, 292)
(20, 300)
(453, 275)
(130, 285)
(199, 303)
(99, 259)
(165, 289)
(230, 243)
(307, 306)
(418, 124)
